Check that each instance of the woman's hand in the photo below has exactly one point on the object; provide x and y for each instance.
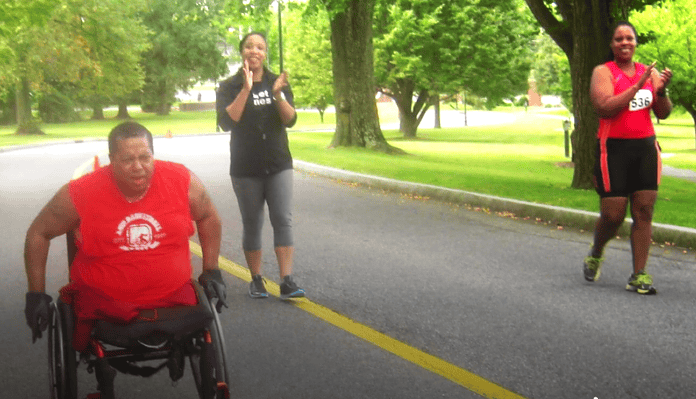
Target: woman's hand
(248, 76)
(663, 80)
(646, 75)
(279, 84)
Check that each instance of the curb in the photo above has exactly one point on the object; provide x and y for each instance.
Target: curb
(675, 235)
(48, 143)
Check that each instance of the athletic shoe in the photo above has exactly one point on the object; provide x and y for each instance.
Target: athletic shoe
(641, 283)
(592, 268)
(288, 289)
(257, 288)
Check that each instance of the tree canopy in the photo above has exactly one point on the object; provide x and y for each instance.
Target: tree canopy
(308, 55)
(551, 70)
(185, 39)
(425, 48)
(20, 21)
(671, 31)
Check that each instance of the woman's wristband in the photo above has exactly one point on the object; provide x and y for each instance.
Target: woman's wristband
(662, 93)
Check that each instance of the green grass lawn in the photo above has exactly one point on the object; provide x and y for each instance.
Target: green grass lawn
(524, 160)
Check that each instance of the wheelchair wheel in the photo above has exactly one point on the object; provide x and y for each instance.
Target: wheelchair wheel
(209, 363)
(62, 360)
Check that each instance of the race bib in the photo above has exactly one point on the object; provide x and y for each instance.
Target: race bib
(642, 100)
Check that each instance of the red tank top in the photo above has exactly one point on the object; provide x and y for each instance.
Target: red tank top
(133, 252)
(634, 121)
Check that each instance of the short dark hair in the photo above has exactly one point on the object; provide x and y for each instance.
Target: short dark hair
(252, 33)
(128, 130)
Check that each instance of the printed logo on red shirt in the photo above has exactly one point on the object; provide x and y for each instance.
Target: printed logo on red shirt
(139, 232)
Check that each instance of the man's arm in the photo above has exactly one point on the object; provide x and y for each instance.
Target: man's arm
(56, 218)
(209, 228)
(208, 223)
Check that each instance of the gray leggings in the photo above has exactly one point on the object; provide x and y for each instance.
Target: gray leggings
(252, 193)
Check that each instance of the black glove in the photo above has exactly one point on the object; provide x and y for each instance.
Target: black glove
(214, 287)
(37, 312)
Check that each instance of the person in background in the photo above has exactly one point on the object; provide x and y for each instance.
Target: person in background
(628, 164)
(257, 106)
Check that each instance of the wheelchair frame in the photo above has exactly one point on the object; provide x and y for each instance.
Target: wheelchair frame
(104, 358)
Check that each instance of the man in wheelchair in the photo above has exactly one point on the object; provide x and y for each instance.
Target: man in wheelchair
(130, 278)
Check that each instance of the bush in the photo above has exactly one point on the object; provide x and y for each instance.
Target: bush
(57, 108)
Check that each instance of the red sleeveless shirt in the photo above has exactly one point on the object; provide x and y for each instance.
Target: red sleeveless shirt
(133, 252)
(634, 121)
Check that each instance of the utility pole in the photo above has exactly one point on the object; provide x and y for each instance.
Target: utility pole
(280, 37)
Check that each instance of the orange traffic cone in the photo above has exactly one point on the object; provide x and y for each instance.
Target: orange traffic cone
(96, 162)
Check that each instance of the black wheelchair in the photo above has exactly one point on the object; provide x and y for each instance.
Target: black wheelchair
(167, 335)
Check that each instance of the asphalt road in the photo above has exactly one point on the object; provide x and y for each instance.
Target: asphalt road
(501, 298)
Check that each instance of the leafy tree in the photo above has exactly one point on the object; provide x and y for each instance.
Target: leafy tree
(582, 30)
(117, 40)
(551, 70)
(20, 20)
(81, 50)
(185, 39)
(357, 121)
(407, 43)
(672, 30)
(308, 55)
(62, 57)
(425, 48)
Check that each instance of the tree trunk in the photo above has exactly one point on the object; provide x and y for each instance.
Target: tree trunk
(123, 110)
(23, 99)
(163, 106)
(584, 38)
(408, 125)
(590, 48)
(25, 120)
(357, 119)
(436, 105)
(411, 114)
(97, 112)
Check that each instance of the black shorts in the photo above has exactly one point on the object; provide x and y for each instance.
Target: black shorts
(624, 166)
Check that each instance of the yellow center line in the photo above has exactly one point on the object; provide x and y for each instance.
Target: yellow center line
(429, 362)
(87, 166)
(456, 374)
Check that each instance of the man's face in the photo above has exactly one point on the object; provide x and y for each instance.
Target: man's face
(133, 165)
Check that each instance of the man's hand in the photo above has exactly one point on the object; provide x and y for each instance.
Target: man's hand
(37, 312)
(214, 286)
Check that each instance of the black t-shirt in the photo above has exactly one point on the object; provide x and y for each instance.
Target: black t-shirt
(259, 141)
